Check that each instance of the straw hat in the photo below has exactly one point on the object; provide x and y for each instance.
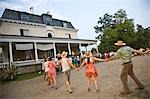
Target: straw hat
(120, 43)
(64, 54)
(87, 54)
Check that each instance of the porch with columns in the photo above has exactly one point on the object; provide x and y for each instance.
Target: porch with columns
(59, 44)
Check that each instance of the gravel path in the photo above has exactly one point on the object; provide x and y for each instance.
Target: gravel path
(108, 79)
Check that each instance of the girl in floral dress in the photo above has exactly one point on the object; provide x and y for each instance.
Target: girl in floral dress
(91, 71)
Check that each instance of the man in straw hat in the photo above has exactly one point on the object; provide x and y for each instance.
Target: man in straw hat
(66, 63)
(125, 54)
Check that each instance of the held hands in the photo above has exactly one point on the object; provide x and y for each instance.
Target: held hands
(106, 60)
(77, 69)
(147, 52)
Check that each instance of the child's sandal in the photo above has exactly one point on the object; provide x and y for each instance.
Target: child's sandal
(97, 90)
(56, 88)
(89, 89)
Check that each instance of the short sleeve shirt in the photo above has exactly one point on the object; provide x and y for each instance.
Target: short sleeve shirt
(65, 64)
(125, 53)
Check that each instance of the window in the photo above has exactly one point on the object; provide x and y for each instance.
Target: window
(24, 32)
(1, 56)
(23, 51)
(24, 17)
(65, 25)
(47, 21)
(49, 35)
(69, 35)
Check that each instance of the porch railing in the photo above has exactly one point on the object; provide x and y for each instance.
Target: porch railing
(22, 63)
(4, 65)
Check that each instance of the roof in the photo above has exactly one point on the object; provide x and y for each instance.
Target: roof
(29, 17)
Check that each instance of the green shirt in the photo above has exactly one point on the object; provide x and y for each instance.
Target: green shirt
(125, 53)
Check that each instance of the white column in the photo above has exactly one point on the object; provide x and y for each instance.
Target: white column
(35, 50)
(89, 47)
(54, 49)
(10, 53)
(97, 49)
(86, 48)
(80, 49)
(69, 49)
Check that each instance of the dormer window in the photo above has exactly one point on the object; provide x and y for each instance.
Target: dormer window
(64, 25)
(47, 21)
(24, 17)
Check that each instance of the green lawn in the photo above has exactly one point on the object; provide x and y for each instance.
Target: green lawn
(20, 77)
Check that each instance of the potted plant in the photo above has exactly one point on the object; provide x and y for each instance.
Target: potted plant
(10, 72)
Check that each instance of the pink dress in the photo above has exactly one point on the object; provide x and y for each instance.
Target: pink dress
(52, 70)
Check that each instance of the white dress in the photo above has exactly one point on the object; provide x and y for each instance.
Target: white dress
(45, 66)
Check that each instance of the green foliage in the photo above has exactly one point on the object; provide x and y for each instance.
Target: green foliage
(112, 28)
(93, 50)
(143, 37)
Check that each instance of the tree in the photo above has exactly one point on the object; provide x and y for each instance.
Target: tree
(93, 50)
(114, 27)
(103, 23)
(143, 37)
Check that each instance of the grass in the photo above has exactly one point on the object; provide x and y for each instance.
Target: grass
(25, 76)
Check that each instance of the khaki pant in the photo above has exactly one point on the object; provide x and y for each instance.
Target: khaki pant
(128, 70)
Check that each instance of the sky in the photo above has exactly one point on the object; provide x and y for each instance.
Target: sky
(83, 14)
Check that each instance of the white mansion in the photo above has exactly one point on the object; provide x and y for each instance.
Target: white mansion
(26, 38)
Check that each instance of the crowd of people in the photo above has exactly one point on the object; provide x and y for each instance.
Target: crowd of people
(63, 63)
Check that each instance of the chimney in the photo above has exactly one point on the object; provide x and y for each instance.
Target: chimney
(49, 13)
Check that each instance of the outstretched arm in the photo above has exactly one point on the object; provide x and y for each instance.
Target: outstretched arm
(59, 63)
(81, 65)
(99, 59)
(113, 57)
(70, 64)
(139, 52)
(55, 65)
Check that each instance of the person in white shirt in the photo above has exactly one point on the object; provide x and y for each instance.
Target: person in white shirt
(66, 63)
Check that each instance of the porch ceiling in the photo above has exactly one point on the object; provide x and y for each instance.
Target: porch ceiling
(6, 38)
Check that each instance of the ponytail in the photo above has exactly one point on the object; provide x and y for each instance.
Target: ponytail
(88, 60)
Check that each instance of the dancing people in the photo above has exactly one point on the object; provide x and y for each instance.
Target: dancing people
(125, 54)
(91, 72)
(45, 68)
(52, 73)
(66, 63)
